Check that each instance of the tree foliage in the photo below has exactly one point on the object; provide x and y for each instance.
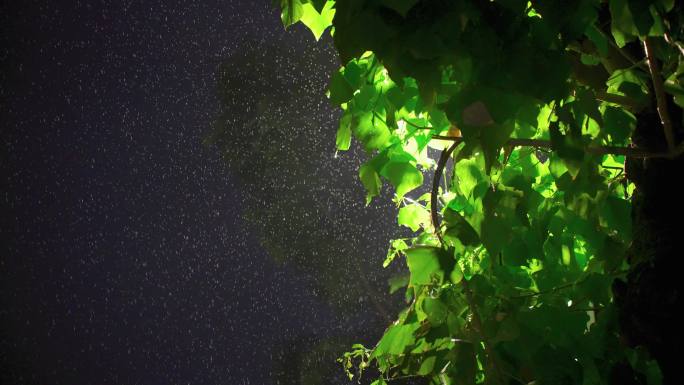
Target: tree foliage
(532, 105)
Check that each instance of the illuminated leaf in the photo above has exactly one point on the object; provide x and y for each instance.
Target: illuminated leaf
(339, 89)
(371, 181)
(317, 21)
(396, 340)
(424, 265)
(403, 176)
(414, 216)
(343, 140)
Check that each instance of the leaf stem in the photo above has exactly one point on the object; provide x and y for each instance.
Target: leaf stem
(564, 286)
(388, 379)
(411, 200)
(417, 126)
(550, 291)
(659, 94)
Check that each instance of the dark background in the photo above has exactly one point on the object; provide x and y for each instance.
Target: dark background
(172, 209)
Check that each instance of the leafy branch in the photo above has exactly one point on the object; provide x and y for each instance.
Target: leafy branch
(477, 321)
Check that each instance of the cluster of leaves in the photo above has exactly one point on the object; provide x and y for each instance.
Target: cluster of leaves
(514, 253)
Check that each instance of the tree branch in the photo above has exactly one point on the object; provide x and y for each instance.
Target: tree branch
(659, 94)
(618, 99)
(443, 158)
(631, 152)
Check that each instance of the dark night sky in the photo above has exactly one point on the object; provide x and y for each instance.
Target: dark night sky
(126, 257)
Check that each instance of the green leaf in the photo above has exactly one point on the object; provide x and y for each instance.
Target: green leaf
(495, 233)
(363, 98)
(515, 253)
(557, 167)
(555, 365)
(568, 148)
(641, 15)
(396, 340)
(398, 282)
(396, 246)
(339, 89)
(586, 104)
(424, 265)
(622, 25)
(666, 5)
(319, 4)
(317, 21)
(618, 123)
(403, 176)
(597, 287)
(599, 39)
(354, 72)
(370, 180)
(465, 367)
(291, 12)
(427, 366)
(358, 31)
(502, 201)
(414, 216)
(492, 139)
(343, 140)
(372, 132)
(436, 311)
(458, 227)
(469, 173)
(615, 213)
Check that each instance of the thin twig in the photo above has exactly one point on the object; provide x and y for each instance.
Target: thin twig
(410, 200)
(564, 286)
(388, 379)
(674, 43)
(550, 291)
(631, 152)
(660, 94)
(594, 309)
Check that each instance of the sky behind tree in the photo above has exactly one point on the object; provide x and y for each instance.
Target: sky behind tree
(126, 255)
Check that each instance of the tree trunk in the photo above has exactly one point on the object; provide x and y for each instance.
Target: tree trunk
(647, 301)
